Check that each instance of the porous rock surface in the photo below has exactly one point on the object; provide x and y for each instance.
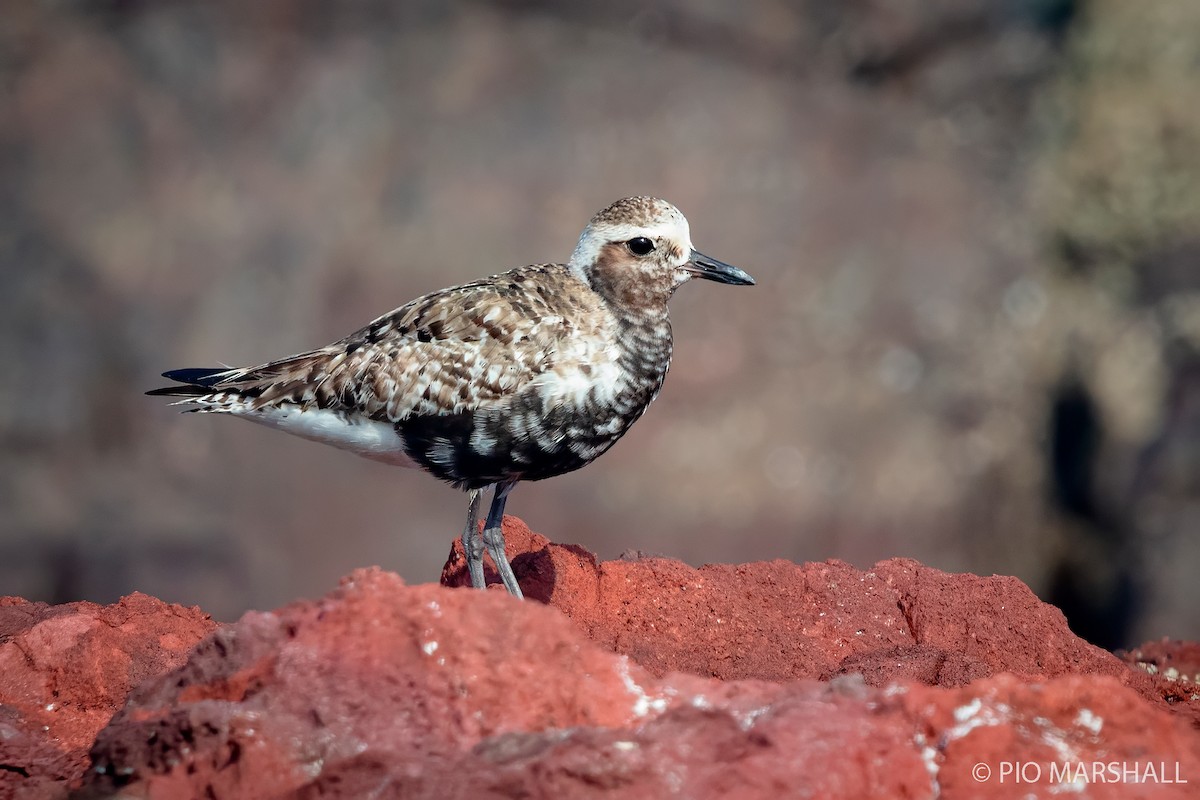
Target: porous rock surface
(66, 669)
(768, 680)
(778, 620)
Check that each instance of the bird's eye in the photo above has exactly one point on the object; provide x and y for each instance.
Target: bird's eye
(640, 246)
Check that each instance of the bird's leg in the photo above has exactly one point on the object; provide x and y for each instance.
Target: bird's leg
(473, 542)
(493, 538)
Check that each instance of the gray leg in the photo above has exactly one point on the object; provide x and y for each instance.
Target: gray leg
(472, 542)
(493, 539)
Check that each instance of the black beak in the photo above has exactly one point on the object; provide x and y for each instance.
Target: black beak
(702, 266)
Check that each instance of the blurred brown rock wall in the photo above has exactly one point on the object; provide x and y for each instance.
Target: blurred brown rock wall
(185, 184)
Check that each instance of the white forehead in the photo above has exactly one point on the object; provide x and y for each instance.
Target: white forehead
(673, 228)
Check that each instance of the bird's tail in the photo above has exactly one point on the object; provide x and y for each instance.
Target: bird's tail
(225, 389)
(192, 382)
(201, 386)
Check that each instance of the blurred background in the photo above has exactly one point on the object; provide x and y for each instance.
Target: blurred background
(975, 227)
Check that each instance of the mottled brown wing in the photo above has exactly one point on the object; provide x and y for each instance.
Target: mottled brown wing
(451, 351)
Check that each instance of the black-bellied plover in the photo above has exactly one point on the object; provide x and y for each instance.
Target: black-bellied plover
(518, 377)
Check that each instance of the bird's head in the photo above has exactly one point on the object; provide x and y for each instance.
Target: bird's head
(638, 251)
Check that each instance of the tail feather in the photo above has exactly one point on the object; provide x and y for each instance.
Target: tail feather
(289, 379)
(194, 382)
(202, 376)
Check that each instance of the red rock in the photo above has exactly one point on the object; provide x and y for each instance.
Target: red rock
(67, 669)
(1178, 660)
(778, 620)
(410, 674)
(1050, 735)
(390, 691)
(385, 690)
(1174, 669)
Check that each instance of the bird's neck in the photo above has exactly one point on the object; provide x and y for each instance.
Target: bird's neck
(641, 328)
(645, 342)
(648, 328)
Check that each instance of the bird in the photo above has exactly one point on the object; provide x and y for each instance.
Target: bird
(521, 376)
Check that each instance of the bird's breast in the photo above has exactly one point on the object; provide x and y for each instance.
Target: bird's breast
(595, 388)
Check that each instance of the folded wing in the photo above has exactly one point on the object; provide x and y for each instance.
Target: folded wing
(456, 350)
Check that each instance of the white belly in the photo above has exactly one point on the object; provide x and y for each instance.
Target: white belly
(377, 441)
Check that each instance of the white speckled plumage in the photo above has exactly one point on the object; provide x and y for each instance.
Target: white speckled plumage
(521, 376)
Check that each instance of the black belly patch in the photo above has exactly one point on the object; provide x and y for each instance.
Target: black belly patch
(447, 445)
